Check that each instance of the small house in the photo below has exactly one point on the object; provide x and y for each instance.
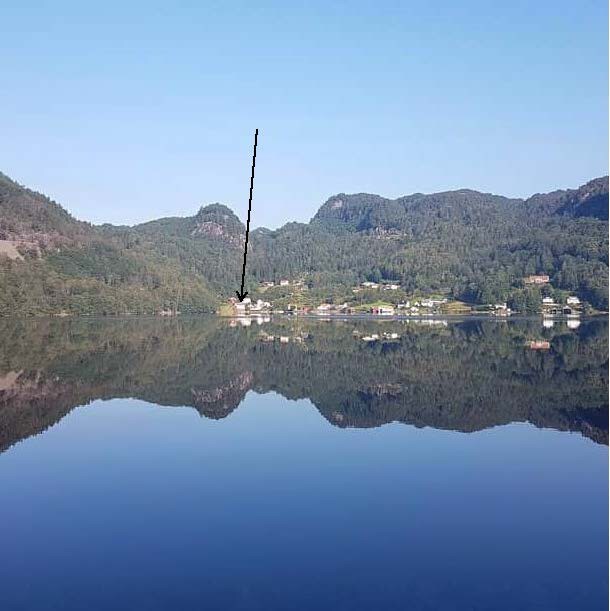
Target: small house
(384, 310)
(537, 279)
(539, 345)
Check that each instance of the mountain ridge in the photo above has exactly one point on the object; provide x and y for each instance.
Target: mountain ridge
(475, 246)
(599, 185)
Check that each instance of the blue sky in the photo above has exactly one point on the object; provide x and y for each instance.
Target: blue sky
(129, 111)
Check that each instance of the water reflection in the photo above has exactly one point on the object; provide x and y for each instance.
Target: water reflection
(465, 376)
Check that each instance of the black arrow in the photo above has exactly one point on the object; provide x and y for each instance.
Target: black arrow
(240, 294)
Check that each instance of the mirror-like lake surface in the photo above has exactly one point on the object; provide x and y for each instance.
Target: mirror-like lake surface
(216, 464)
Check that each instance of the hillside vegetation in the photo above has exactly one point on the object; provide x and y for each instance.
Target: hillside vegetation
(473, 246)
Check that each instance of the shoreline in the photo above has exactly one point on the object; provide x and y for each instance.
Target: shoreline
(382, 317)
(324, 317)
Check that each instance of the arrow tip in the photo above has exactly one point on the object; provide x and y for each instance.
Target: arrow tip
(241, 296)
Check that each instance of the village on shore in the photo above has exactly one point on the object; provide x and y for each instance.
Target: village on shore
(374, 302)
(389, 299)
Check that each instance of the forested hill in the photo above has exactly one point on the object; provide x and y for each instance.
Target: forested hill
(415, 214)
(470, 245)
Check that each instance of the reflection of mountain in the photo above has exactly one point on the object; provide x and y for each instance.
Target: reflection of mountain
(466, 376)
(222, 400)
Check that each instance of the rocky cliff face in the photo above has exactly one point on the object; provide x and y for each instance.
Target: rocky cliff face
(219, 222)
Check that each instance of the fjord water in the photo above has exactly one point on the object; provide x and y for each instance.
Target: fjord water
(204, 464)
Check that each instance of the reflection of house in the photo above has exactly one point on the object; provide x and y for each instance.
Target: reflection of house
(537, 279)
(431, 323)
(370, 338)
(391, 336)
(573, 324)
(501, 309)
(539, 345)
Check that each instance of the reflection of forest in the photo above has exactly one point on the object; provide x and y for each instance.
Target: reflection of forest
(466, 376)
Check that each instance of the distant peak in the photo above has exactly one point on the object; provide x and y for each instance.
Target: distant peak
(213, 209)
(218, 220)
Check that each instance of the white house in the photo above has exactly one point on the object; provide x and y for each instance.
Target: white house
(259, 305)
(430, 303)
(547, 301)
(573, 300)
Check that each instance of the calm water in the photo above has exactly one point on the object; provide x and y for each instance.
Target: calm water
(203, 464)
